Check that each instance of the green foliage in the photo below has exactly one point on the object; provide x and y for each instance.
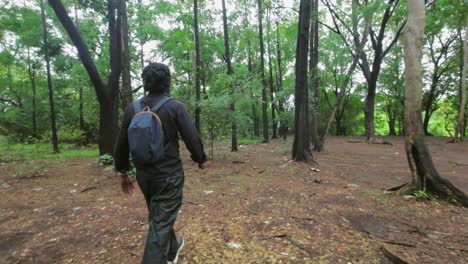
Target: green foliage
(29, 168)
(165, 31)
(106, 160)
(421, 195)
(12, 151)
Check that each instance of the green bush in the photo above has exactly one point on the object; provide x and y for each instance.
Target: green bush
(66, 135)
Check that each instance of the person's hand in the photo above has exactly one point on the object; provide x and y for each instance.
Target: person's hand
(126, 184)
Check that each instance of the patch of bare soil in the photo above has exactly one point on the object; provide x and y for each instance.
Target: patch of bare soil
(252, 206)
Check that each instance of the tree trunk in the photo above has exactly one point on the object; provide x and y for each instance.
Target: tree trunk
(262, 72)
(283, 124)
(313, 73)
(301, 146)
(256, 121)
(424, 175)
(82, 123)
(359, 49)
(107, 92)
(459, 131)
(141, 55)
(230, 71)
(127, 97)
(81, 101)
(391, 125)
(272, 88)
(53, 122)
(32, 79)
(197, 65)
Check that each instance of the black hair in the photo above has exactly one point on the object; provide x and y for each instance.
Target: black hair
(156, 78)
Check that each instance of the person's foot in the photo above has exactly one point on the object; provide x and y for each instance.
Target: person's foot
(180, 242)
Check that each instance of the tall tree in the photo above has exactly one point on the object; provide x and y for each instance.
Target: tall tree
(80, 93)
(126, 64)
(459, 131)
(370, 69)
(53, 121)
(270, 80)
(32, 78)
(262, 73)
(279, 76)
(197, 64)
(107, 91)
(358, 50)
(425, 176)
(440, 59)
(313, 81)
(301, 146)
(230, 71)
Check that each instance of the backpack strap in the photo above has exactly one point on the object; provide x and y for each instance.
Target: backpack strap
(137, 106)
(160, 104)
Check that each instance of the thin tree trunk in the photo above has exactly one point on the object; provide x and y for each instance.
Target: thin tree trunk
(256, 121)
(424, 175)
(140, 25)
(270, 70)
(283, 124)
(262, 72)
(459, 131)
(32, 79)
(53, 122)
(313, 73)
(81, 103)
(301, 146)
(230, 71)
(82, 123)
(197, 65)
(126, 64)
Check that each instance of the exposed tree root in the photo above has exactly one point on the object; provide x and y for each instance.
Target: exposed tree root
(458, 164)
(393, 257)
(443, 189)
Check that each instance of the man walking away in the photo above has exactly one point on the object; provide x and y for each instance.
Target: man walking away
(160, 180)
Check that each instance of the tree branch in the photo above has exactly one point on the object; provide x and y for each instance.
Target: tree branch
(83, 50)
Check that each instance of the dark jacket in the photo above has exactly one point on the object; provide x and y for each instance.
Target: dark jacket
(175, 121)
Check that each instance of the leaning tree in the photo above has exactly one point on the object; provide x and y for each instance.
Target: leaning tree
(107, 91)
(424, 174)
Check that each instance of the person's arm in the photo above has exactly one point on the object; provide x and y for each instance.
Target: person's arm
(121, 150)
(121, 153)
(190, 136)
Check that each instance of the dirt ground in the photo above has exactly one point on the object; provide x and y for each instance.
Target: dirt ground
(253, 206)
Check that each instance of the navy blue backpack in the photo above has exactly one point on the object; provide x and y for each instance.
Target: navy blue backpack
(145, 133)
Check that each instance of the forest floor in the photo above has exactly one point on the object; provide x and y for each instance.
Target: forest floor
(252, 206)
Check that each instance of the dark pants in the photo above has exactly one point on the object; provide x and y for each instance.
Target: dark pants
(163, 198)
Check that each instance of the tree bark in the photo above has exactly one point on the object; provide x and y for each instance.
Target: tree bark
(127, 97)
(106, 91)
(301, 146)
(53, 121)
(262, 72)
(230, 71)
(32, 79)
(424, 175)
(313, 75)
(272, 87)
(460, 129)
(197, 65)
(81, 100)
(283, 124)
